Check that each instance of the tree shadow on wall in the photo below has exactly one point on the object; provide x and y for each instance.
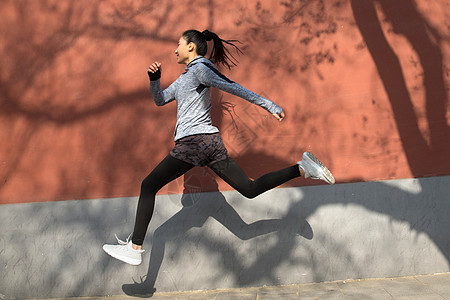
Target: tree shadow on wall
(425, 158)
(424, 210)
(197, 208)
(37, 94)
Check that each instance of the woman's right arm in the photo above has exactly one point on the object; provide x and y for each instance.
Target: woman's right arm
(160, 96)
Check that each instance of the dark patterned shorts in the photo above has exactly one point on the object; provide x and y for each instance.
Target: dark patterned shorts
(200, 150)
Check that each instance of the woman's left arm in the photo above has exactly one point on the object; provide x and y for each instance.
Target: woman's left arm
(208, 75)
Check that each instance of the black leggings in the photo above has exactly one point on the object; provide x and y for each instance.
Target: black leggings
(171, 168)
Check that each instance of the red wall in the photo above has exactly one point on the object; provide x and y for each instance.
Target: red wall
(364, 85)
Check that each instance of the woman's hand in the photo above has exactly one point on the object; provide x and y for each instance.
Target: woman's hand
(154, 71)
(279, 116)
(154, 67)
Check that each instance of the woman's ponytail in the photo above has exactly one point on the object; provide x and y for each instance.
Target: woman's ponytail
(219, 54)
(208, 35)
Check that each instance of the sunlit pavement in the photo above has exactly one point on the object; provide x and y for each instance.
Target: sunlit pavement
(426, 287)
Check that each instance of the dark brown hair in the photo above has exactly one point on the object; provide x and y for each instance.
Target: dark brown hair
(219, 54)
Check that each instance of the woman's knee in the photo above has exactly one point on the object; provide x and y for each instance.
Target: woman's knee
(250, 194)
(230, 171)
(248, 190)
(148, 185)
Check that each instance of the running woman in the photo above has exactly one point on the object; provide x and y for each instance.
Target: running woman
(197, 141)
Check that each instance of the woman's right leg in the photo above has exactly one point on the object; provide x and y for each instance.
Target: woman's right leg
(169, 169)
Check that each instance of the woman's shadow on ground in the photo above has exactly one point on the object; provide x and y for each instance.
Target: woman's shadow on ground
(196, 209)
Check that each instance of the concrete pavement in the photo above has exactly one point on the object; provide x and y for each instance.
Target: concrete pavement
(424, 287)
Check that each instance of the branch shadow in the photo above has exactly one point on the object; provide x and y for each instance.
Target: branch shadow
(424, 158)
(40, 92)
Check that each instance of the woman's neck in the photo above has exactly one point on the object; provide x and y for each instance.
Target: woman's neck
(191, 57)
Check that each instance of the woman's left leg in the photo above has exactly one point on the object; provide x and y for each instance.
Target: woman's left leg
(232, 174)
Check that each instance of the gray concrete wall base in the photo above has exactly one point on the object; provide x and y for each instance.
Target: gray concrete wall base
(222, 240)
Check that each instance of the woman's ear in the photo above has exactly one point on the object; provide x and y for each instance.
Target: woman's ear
(191, 47)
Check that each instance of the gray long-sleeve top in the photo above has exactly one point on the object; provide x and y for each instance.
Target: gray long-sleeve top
(191, 91)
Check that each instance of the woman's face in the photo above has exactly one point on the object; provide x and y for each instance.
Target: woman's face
(182, 51)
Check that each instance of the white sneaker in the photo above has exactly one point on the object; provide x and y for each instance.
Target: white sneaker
(124, 252)
(315, 169)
